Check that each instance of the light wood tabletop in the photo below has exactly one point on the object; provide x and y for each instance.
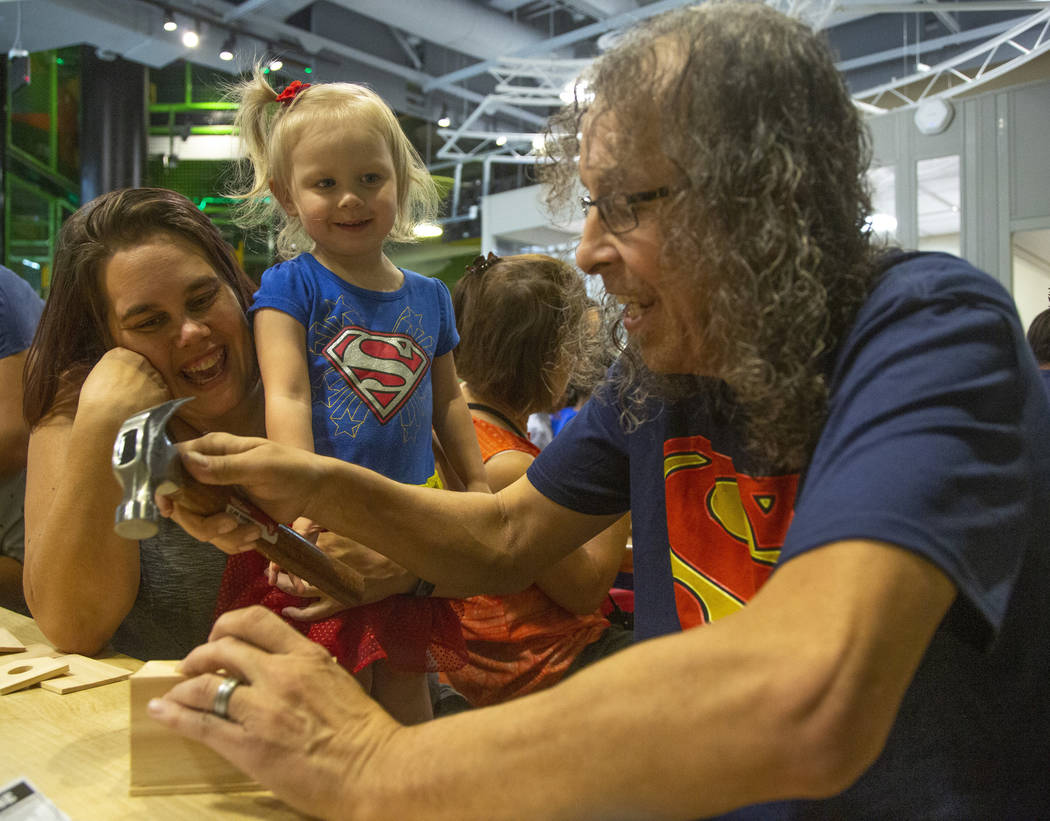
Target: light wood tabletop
(74, 748)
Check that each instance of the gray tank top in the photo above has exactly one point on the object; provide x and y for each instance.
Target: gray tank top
(175, 607)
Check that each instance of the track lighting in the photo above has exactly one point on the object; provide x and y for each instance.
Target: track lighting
(226, 52)
(444, 121)
(169, 21)
(190, 37)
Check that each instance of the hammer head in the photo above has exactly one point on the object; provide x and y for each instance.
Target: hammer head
(144, 461)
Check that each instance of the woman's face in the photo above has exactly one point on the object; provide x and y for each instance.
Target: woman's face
(167, 303)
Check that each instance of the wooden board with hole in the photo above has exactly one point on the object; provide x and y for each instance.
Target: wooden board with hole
(165, 762)
(19, 674)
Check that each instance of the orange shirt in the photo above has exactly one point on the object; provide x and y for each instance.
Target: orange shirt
(520, 643)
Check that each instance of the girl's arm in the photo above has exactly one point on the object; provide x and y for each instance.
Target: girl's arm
(80, 578)
(453, 426)
(280, 344)
(580, 581)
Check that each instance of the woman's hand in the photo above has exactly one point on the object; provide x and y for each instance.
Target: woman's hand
(224, 530)
(298, 723)
(121, 383)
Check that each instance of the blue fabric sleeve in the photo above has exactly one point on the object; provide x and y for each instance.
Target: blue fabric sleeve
(449, 334)
(283, 287)
(924, 443)
(586, 467)
(20, 308)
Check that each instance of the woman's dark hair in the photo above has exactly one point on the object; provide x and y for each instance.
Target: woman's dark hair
(519, 318)
(73, 333)
(1039, 337)
(764, 229)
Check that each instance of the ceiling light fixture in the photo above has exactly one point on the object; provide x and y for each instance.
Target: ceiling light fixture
(226, 52)
(190, 37)
(169, 21)
(444, 121)
(276, 64)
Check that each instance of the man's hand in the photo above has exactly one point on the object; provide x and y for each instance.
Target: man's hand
(298, 722)
(278, 478)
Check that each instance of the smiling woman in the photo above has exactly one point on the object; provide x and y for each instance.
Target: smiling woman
(147, 303)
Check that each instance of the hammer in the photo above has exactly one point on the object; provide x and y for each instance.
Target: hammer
(146, 462)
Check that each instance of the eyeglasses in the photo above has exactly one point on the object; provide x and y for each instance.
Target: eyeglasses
(617, 211)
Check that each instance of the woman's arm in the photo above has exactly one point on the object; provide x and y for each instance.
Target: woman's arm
(452, 424)
(80, 578)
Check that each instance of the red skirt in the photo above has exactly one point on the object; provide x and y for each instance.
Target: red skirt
(413, 634)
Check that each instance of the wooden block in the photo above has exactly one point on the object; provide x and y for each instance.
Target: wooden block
(164, 762)
(84, 672)
(17, 675)
(8, 642)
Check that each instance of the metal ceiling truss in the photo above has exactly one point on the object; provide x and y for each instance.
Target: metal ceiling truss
(525, 82)
(963, 72)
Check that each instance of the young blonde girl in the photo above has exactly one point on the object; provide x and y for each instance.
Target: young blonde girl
(355, 354)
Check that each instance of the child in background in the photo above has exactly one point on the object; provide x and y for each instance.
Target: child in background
(355, 354)
(525, 328)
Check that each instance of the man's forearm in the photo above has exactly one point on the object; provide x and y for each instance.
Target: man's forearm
(790, 697)
(650, 733)
(456, 539)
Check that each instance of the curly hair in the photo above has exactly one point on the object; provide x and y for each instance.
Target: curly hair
(519, 319)
(765, 228)
(73, 333)
(1039, 337)
(269, 132)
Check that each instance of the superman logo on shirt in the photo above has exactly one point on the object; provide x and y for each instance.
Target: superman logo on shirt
(726, 528)
(383, 369)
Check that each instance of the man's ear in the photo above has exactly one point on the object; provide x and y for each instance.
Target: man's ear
(280, 193)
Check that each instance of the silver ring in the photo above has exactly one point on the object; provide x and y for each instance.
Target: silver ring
(222, 697)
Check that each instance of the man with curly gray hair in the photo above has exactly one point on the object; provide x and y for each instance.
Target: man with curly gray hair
(837, 462)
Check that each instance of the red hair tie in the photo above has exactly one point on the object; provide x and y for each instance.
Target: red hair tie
(293, 88)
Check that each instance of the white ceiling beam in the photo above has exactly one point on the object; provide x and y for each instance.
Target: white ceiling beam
(454, 24)
(953, 6)
(620, 21)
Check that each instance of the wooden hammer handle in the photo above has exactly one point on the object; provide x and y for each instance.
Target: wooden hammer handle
(279, 544)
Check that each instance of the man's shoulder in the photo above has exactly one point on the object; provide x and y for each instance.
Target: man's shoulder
(913, 278)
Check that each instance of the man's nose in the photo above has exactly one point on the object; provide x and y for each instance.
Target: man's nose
(594, 249)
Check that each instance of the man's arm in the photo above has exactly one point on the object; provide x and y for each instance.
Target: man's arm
(791, 697)
(478, 542)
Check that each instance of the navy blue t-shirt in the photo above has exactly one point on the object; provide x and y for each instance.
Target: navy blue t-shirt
(937, 440)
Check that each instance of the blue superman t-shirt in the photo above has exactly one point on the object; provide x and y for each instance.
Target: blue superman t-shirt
(369, 355)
